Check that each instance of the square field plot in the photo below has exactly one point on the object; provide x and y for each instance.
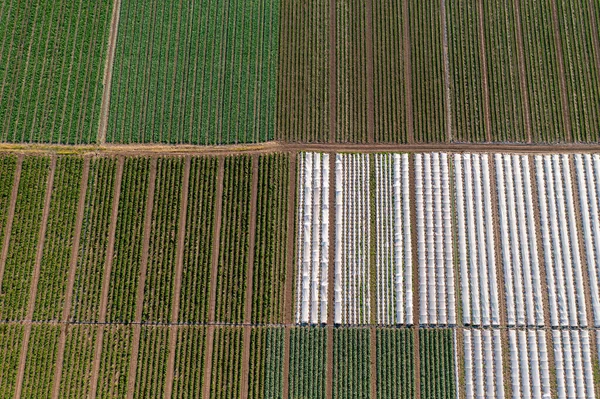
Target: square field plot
(196, 72)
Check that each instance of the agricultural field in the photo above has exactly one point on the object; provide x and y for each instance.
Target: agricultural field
(52, 63)
(195, 73)
(129, 275)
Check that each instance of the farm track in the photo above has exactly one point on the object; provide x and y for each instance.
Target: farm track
(155, 150)
(108, 72)
(71, 279)
(35, 279)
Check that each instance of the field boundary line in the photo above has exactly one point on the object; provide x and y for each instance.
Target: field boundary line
(249, 280)
(108, 71)
(561, 72)
(330, 281)
(484, 72)
(35, 278)
(369, 71)
(139, 302)
(269, 147)
(522, 72)
(415, 277)
(446, 62)
(178, 277)
(210, 333)
(332, 71)
(71, 278)
(10, 217)
(289, 275)
(106, 278)
(407, 74)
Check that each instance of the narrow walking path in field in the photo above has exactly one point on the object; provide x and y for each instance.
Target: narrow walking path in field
(210, 334)
(249, 280)
(106, 277)
(108, 71)
(139, 302)
(178, 278)
(35, 278)
(71, 279)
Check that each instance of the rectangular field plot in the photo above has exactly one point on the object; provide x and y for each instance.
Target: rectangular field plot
(395, 365)
(152, 361)
(483, 364)
(40, 361)
(78, 360)
(11, 339)
(189, 362)
(52, 66)
(227, 363)
(308, 359)
(436, 351)
(114, 361)
(195, 73)
(265, 379)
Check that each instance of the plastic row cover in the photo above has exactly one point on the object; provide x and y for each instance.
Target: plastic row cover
(476, 253)
(529, 367)
(393, 240)
(561, 246)
(434, 239)
(483, 364)
(313, 238)
(518, 241)
(573, 363)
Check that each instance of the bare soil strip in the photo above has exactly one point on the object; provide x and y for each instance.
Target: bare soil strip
(35, 278)
(330, 279)
(288, 300)
(108, 71)
(369, 70)
(139, 304)
(10, 217)
(415, 282)
(522, 74)
(249, 279)
(71, 279)
(410, 134)
(210, 333)
(484, 71)
(447, 99)
(178, 277)
(561, 73)
(106, 277)
(274, 146)
(332, 70)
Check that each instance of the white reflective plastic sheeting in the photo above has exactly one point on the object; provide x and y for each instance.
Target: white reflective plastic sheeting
(434, 240)
(573, 364)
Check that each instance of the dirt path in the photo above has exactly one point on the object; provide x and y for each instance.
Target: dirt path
(71, 278)
(249, 279)
(139, 302)
(108, 71)
(35, 278)
(106, 277)
(415, 282)
(178, 278)
(407, 75)
(561, 72)
(210, 334)
(484, 71)
(289, 275)
(332, 71)
(522, 74)
(274, 146)
(10, 217)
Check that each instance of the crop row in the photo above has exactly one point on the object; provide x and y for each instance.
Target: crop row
(436, 351)
(265, 375)
(308, 359)
(395, 365)
(351, 359)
